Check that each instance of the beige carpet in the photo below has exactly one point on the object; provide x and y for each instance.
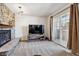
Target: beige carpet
(43, 48)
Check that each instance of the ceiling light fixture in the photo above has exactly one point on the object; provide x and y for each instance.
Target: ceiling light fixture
(20, 12)
(19, 7)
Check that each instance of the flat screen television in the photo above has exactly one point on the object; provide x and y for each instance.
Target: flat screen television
(36, 29)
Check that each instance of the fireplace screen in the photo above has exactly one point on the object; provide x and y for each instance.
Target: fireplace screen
(5, 36)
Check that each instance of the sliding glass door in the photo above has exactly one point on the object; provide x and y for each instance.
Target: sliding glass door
(61, 27)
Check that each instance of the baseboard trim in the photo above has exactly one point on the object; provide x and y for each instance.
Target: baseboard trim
(59, 44)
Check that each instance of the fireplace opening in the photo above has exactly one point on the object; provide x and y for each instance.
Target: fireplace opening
(5, 36)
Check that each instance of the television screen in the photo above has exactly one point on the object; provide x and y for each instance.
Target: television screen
(36, 29)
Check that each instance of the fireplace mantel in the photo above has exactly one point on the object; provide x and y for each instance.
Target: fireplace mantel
(5, 26)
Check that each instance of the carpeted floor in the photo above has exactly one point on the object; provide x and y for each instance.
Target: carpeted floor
(39, 48)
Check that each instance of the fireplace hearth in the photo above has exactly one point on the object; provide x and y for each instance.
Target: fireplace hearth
(5, 36)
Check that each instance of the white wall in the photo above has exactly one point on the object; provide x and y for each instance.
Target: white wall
(22, 22)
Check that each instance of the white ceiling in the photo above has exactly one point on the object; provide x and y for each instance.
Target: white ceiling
(36, 9)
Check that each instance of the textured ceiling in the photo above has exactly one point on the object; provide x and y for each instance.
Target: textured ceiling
(36, 9)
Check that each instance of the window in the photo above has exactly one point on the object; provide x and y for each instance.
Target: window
(60, 27)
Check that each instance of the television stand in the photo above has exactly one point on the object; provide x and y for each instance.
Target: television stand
(36, 37)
